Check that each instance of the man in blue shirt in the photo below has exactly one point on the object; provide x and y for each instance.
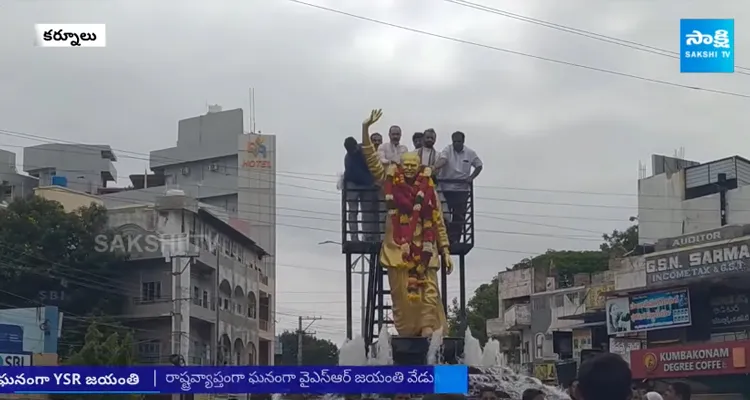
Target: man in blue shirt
(361, 194)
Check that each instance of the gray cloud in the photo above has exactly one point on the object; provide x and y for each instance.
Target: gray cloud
(536, 124)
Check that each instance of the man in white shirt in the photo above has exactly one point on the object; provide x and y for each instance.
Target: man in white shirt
(455, 165)
(391, 152)
(427, 152)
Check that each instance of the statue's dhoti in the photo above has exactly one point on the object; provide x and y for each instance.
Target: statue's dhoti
(413, 317)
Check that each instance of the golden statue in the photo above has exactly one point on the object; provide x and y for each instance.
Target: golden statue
(415, 239)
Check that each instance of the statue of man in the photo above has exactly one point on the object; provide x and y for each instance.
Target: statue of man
(415, 239)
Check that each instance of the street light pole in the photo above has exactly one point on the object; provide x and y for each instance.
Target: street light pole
(362, 291)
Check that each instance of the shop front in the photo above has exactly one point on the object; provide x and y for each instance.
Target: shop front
(710, 368)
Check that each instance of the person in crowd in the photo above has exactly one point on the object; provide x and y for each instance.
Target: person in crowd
(605, 376)
(455, 163)
(376, 139)
(360, 192)
(653, 396)
(532, 394)
(492, 394)
(417, 140)
(677, 391)
(572, 389)
(391, 152)
(427, 153)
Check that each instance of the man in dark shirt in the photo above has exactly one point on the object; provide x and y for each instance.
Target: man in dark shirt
(605, 376)
(361, 194)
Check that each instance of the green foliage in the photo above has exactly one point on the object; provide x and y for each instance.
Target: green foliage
(566, 263)
(480, 307)
(102, 349)
(620, 242)
(44, 249)
(314, 351)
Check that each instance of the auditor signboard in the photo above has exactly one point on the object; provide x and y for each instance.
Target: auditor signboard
(704, 262)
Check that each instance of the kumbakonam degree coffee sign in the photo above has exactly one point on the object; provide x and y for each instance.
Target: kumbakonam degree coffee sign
(704, 262)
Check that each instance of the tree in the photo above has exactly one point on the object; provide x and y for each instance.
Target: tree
(115, 350)
(48, 257)
(620, 242)
(314, 351)
(483, 305)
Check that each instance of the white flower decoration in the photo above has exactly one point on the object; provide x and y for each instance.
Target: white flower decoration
(389, 197)
(417, 207)
(420, 193)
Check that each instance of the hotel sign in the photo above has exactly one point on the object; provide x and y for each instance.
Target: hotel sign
(256, 153)
(708, 261)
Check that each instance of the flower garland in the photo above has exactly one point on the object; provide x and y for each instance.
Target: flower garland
(413, 206)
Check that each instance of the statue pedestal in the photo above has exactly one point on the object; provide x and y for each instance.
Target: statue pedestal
(413, 350)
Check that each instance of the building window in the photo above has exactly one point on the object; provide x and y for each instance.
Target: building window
(205, 299)
(149, 351)
(539, 346)
(196, 295)
(226, 304)
(150, 291)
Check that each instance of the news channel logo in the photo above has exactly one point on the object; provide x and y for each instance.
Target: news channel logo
(707, 45)
(71, 35)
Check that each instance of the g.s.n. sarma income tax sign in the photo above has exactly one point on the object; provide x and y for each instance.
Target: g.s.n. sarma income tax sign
(707, 261)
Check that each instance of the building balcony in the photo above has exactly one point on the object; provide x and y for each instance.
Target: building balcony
(518, 317)
(264, 325)
(362, 231)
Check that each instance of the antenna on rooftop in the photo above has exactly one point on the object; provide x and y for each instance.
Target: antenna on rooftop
(251, 110)
(641, 170)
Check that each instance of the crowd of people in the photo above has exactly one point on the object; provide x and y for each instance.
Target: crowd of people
(453, 168)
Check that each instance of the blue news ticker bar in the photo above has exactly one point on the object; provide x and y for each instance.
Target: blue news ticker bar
(443, 379)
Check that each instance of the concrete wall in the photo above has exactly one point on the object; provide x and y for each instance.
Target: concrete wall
(629, 272)
(83, 165)
(71, 200)
(12, 184)
(663, 213)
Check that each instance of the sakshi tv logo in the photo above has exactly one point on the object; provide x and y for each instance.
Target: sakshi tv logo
(257, 154)
(707, 45)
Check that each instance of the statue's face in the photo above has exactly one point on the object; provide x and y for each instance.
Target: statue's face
(410, 164)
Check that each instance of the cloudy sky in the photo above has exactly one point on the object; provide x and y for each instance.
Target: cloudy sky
(553, 137)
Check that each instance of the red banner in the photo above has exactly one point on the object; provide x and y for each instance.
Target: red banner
(692, 360)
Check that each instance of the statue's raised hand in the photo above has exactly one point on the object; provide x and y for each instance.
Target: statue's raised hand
(373, 118)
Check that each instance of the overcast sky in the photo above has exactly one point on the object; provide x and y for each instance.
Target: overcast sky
(536, 124)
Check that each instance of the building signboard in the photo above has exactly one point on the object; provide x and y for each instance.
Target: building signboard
(11, 338)
(729, 310)
(624, 346)
(15, 360)
(650, 311)
(595, 299)
(705, 237)
(708, 261)
(256, 154)
(687, 361)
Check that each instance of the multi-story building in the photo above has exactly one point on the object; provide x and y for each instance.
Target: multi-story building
(85, 168)
(218, 163)
(680, 309)
(194, 283)
(12, 184)
(539, 320)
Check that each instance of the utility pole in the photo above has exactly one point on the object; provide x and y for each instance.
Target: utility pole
(301, 334)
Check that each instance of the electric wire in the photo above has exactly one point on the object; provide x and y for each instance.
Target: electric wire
(581, 32)
(519, 53)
